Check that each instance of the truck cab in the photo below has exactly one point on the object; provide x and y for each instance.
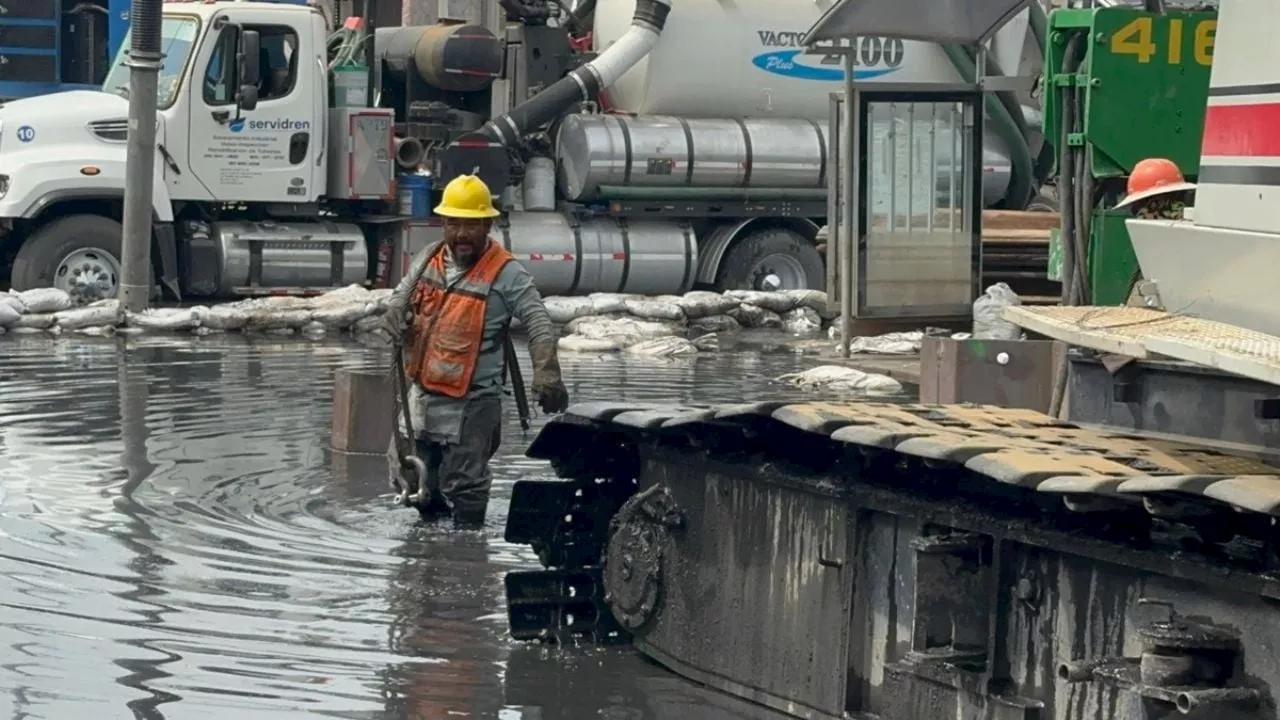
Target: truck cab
(241, 174)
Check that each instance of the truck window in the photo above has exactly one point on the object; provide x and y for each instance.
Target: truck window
(177, 34)
(277, 60)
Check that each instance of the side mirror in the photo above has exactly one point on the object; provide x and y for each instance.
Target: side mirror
(247, 98)
(249, 71)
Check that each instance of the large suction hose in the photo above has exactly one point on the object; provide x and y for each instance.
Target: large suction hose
(585, 82)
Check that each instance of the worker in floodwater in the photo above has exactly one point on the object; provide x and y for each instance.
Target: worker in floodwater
(1157, 190)
(451, 312)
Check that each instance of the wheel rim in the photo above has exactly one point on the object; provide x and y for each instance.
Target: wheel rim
(779, 272)
(88, 275)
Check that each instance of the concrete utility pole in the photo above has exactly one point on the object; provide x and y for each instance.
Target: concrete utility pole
(144, 70)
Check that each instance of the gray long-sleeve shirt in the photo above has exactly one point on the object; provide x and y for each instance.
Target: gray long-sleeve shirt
(438, 418)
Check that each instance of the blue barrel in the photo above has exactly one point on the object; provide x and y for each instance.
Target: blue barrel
(415, 195)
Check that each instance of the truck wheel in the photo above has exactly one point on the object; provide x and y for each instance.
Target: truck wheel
(772, 259)
(79, 254)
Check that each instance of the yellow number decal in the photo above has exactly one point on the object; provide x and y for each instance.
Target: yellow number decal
(1135, 39)
(1175, 41)
(1206, 32)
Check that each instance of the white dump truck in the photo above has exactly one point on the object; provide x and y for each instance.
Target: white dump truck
(645, 146)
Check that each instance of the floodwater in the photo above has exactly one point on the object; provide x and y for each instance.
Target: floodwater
(178, 541)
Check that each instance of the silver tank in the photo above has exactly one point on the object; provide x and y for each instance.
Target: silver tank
(664, 151)
(649, 257)
(294, 254)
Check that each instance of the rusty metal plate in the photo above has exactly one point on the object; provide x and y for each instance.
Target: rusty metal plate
(821, 418)
(1028, 468)
(1084, 485)
(879, 435)
(1152, 484)
(961, 447)
(728, 412)
(651, 418)
(690, 417)
(605, 411)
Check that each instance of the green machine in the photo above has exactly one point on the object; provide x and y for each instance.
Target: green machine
(1121, 85)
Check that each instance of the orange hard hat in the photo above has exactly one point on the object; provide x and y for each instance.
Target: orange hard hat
(1154, 176)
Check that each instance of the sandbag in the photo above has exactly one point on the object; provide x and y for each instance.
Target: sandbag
(565, 309)
(713, 324)
(754, 316)
(609, 303)
(35, 321)
(707, 343)
(342, 296)
(624, 327)
(778, 302)
(663, 347)
(223, 317)
(700, 304)
(314, 329)
(380, 297)
(841, 379)
(9, 314)
(97, 331)
(340, 316)
(801, 321)
(815, 300)
(103, 312)
(270, 319)
(988, 314)
(44, 300)
(578, 343)
(367, 324)
(655, 310)
(164, 319)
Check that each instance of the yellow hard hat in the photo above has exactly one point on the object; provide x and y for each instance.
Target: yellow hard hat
(466, 196)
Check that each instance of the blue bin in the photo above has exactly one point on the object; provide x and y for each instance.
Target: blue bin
(415, 196)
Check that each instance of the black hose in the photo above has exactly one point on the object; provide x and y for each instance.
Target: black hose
(579, 85)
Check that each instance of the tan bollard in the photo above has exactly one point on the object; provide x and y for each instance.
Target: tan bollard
(362, 406)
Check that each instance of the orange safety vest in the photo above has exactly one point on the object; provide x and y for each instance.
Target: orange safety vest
(448, 322)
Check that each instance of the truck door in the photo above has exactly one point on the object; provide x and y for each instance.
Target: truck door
(268, 154)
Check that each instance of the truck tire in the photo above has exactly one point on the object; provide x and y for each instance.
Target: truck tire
(783, 254)
(76, 253)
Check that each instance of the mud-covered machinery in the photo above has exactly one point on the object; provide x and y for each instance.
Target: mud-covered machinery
(922, 562)
(1122, 84)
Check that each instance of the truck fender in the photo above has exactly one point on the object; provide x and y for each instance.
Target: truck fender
(721, 237)
(44, 182)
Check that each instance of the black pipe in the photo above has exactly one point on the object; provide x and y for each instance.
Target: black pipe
(146, 19)
(581, 84)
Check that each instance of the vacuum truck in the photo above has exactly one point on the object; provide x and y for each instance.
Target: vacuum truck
(645, 146)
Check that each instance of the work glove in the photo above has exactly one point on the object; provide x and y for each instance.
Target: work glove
(393, 324)
(548, 386)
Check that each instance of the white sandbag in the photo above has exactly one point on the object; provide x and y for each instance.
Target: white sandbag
(340, 316)
(565, 309)
(314, 329)
(342, 296)
(572, 326)
(899, 343)
(44, 300)
(655, 310)
(609, 303)
(624, 327)
(367, 324)
(988, 314)
(578, 343)
(815, 300)
(9, 314)
(663, 347)
(778, 302)
(801, 321)
(713, 324)
(707, 343)
(223, 317)
(103, 312)
(164, 319)
(97, 331)
(268, 319)
(838, 378)
(35, 321)
(754, 316)
(380, 297)
(700, 304)
(13, 301)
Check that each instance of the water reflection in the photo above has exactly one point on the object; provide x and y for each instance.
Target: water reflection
(177, 540)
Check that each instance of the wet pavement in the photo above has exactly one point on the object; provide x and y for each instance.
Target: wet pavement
(178, 541)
